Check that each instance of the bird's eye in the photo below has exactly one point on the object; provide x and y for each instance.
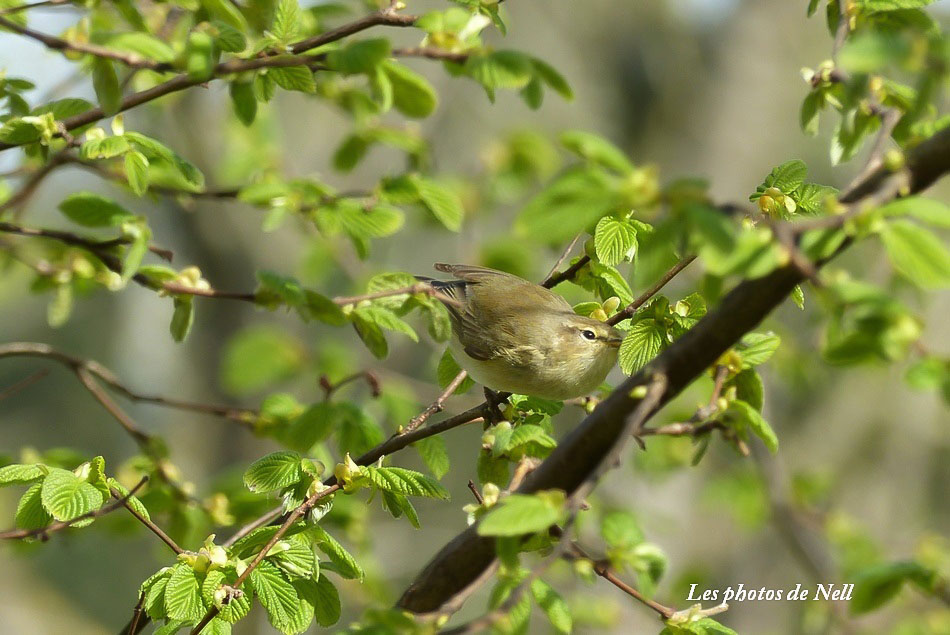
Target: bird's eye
(588, 334)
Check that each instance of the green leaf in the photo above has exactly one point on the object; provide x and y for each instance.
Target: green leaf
(748, 387)
(157, 151)
(106, 84)
(92, 210)
(298, 78)
(620, 530)
(758, 348)
(570, 204)
(500, 69)
(747, 415)
(877, 584)
(434, 455)
(258, 357)
(788, 176)
(133, 501)
(346, 564)
(30, 513)
(447, 370)
(243, 101)
(553, 605)
(642, 343)
(917, 254)
(596, 149)
(141, 236)
(405, 482)
(136, 172)
(520, 514)
(66, 496)
(274, 471)
(550, 76)
(413, 96)
(286, 20)
(386, 319)
(294, 556)
(313, 426)
(276, 595)
(142, 44)
(926, 210)
(378, 222)
(20, 474)
(363, 56)
(235, 610)
(323, 596)
(615, 240)
(530, 433)
(104, 148)
(199, 56)
(227, 12)
(442, 201)
(183, 594)
(182, 318)
(16, 131)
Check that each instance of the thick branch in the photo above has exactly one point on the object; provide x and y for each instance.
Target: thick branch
(461, 562)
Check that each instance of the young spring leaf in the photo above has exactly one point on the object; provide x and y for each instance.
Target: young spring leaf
(520, 514)
(274, 471)
(93, 210)
(66, 496)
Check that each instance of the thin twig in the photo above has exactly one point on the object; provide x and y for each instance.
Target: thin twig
(136, 615)
(43, 532)
(631, 308)
(233, 66)
(23, 383)
(564, 254)
(155, 529)
(475, 492)
(131, 60)
(35, 349)
(331, 387)
(35, 5)
(557, 278)
(438, 404)
(431, 53)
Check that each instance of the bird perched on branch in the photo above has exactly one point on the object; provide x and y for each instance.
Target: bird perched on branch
(516, 336)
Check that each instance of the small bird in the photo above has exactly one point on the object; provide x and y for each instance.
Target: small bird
(516, 336)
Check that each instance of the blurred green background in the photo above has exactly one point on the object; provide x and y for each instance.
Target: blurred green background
(707, 88)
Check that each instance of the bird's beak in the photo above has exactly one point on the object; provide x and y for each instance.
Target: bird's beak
(614, 342)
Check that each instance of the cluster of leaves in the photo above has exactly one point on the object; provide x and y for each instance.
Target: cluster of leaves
(897, 38)
(59, 494)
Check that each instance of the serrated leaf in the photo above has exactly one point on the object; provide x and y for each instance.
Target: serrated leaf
(405, 482)
(20, 474)
(183, 594)
(346, 564)
(298, 78)
(272, 472)
(386, 319)
(66, 496)
(276, 594)
(286, 20)
(323, 596)
(615, 240)
(530, 433)
(30, 513)
(642, 343)
(758, 348)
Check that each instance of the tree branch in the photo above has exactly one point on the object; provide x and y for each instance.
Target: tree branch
(183, 81)
(461, 562)
(155, 529)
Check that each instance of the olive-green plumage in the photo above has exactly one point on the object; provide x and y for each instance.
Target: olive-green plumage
(516, 336)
